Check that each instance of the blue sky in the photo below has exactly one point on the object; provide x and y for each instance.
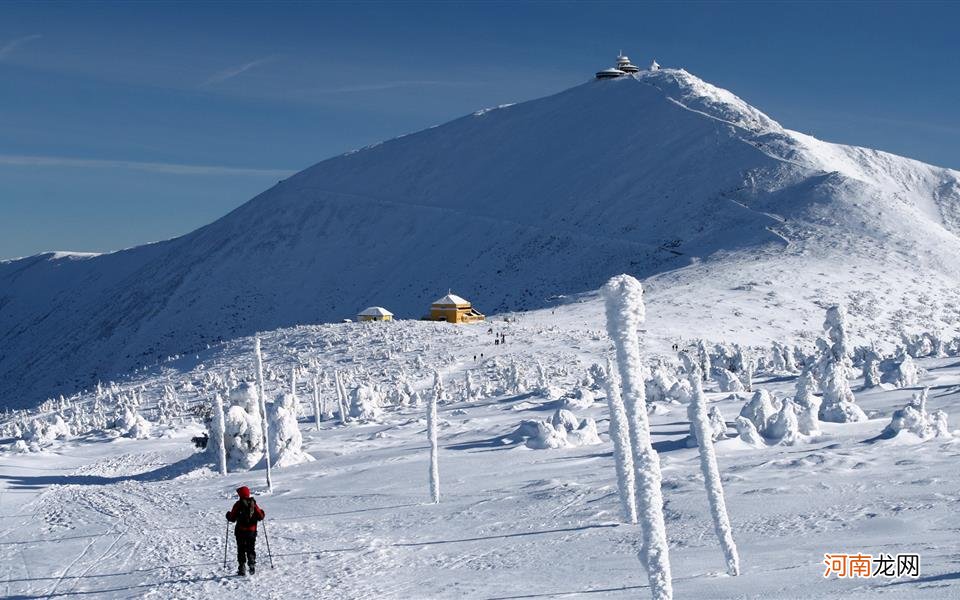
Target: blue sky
(126, 123)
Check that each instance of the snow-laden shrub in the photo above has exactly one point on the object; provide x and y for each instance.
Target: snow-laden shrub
(563, 430)
(835, 326)
(594, 377)
(760, 410)
(838, 402)
(544, 435)
(703, 358)
(785, 427)
(915, 419)
(660, 383)
(727, 381)
(564, 419)
(578, 432)
(808, 405)
(748, 432)
(243, 429)
(285, 439)
(365, 403)
(585, 434)
(681, 391)
(41, 432)
(582, 398)
(871, 369)
(715, 421)
(904, 374)
(919, 345)
(132, 424)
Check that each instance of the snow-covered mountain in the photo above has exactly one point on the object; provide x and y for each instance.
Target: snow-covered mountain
(661, 175)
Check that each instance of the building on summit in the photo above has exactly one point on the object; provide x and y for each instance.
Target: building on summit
(454, 309)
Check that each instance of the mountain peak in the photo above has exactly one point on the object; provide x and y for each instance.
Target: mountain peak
(697, 95)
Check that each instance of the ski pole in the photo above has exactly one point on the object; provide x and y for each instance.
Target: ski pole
(267, 538)
(226, 544)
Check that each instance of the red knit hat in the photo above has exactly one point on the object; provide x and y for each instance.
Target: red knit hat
(243, 492)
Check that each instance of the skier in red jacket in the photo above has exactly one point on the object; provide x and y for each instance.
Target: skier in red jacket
(245, 513)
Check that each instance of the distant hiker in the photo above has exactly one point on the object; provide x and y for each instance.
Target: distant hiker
(245, 513)
(481, 356)
(496, 341)
(474, 358)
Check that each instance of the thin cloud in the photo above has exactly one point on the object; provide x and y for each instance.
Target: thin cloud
(153, 167)
(232, 72)
(389, 85)
(8, 48)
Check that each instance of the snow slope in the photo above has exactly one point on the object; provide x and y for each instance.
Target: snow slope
(115, 518)
(658, 175)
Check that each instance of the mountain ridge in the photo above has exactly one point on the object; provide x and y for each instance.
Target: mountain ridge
(509, 207)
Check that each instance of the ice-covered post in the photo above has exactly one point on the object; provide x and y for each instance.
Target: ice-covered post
(341, 398)
(261, 400)
(711, 475)
(625, 313)
(316, 403)
(432, 436)
(623, 456)
(220, 430)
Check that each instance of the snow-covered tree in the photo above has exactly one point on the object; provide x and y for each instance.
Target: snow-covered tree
(132, 424)
(748, 432)
(905, 373)
(342, 410)
(785, 427)
(625, 313)
(915, 419)
(727, 381)
(365, 403)
(808, 419)
(761, 410)
(661, 381)
(834, 370)
(432, 437)
(243, 439)
(711, 475)
(835, 326)
(871, 369)
(261, 395)
(622, 453)
(317, 414)
(576, 432)
(215, 439)
(286, 441)
(838, 401)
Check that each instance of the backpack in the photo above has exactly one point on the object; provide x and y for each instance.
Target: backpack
(246, 512)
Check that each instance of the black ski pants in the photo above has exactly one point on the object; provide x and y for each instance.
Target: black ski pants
(246, 547)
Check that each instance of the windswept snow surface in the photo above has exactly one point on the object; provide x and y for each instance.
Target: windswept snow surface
(719, 211)
(99, 517)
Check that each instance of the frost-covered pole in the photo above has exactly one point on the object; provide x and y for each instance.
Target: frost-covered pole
(221, 433)
(711, 475)
(341, 398)
(625, 313)
(432, 435)
(316, 403)
(261, 399)
(623, 456)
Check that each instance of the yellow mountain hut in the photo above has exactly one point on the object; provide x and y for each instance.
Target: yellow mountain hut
(454, 309)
